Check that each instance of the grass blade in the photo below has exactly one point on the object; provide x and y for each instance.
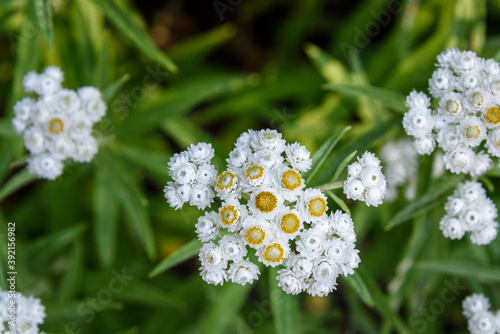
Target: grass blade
(105, 209)
(43, 16)
(74, 274)
(343, 165)
(320, 156)
(392, 100)
(15, 183)
(358, 285)
(473, 271)
(285, 307)
(135, 33)
(184, 253)
(339, 201)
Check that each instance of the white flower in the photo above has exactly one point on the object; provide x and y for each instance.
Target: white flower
(425, 145)
(289, 182)
(201, 196)
(482, 164)
(274, 253)
(302, 266)
(311, 244)
(441, 82)
(446, 58)
(418, 122)
(170, 192)
(325, 270)
(470, 191)
(417, 100)
(92, 103)
(312, 205)
(472, 131)
(239, 157)
(289, 282)
(257, 232)
(319, 289)
(459, 160)
(227, 185)
(482, 323)
(200, 153)
(265, 203)
(66, 101)
(233, 247)
(45, 166)
(298, 157)
(231, 215)
(212, 257)
(465, 61)
(343, 226)
(206, 174)
(452, 228)
(34, 140)
(30, 313)
(207, 227)
(475, 303)
(476, 100)
(486, 234)
(184, 174)
(289, 223)
(213, 276)
(243, 272)
(451, 107)
(267, 158)
(269, 140)
(493, 143)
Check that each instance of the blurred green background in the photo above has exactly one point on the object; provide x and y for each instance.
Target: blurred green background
(178, 72)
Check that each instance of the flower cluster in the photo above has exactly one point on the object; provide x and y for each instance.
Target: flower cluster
(365, 181)
(466, 122)
(469, 210)
(29, 313)
(480, 319)
(401, 165)
(57, 124)
(266, 207)
(193, 175)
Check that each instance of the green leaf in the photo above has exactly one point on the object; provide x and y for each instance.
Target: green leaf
(154, 161)
(74, 274)
(393, 100)
(113, 88)
(435, 196)
(320, 156)
(124, 22)
(285, 307)
(16, 182)
(105, 210)
(132, 200)
(339, 201)
(484, 274)
(224, 309)
(102, 71)
(381, 302)
(330, 68)
(43, 14)
(184, 253)
(343, 165)
(358, 285)
(43, 248)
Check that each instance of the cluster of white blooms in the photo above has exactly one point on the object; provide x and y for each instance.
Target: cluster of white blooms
(194, 177)
(266, 207)
(470, 210)
(401, 165)
(365, 181)
(466, 122)
(480, 319)
(57, 124)
(28, 314)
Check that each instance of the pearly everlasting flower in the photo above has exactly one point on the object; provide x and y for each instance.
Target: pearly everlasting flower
(469, 210)
(480, 319)
(467, 90)
(57, 124)
(30, 313)
(365, 181)
(264, 208)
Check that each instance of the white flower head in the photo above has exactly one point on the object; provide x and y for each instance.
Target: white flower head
(312, 205)
(200, 153)
(298, 157)
(265, 203)
(243, 272)
(452, 228)
(207, 227)
(290, 282)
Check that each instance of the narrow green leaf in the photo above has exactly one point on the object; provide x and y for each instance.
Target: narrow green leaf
(432, 198)
(112, 89)
(154, 161)
(43, 14)
(43, 248)
(381, 302)
(148, 294)
(74, 273)
(330, 68)
(484, 274)
(320, 156)
(132, 199)
(184, 253)
(102, 71)
(343, 165)
(105, 210)
(358, 285)
(339, 202)
(135, 33)
(391, 99)
(224, 310)
(285, 307)
(331, 185)
(16, 182)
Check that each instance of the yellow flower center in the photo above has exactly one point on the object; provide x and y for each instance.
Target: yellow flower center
(274, 253)
(316, 207)
(493, 115)
(291, 180)
(254, 172)
(477, 99)
(472, 131)
(266, 201)
(255, 235)
(290, 223)
(452, 106)
(56, 126)
(225, 180)
(228, 215)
